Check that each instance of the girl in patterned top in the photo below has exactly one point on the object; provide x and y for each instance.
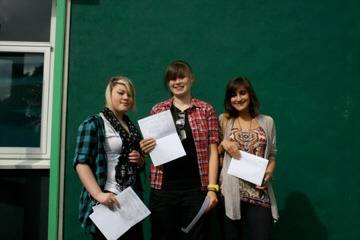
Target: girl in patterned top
(243, 128)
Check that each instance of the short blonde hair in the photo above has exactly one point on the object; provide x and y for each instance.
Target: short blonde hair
(126, 82)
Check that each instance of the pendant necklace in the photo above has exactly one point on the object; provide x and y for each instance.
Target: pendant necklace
(245, 135)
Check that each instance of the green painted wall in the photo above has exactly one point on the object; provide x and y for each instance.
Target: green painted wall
(303, 58)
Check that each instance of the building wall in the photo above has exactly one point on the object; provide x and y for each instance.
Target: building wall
(29, 182)
(302, 56)
(24, 204)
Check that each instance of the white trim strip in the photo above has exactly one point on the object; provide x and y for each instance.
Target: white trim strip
(63, 122)
(25, 44)
(24, 164)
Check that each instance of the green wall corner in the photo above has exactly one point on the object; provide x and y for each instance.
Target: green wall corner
(56, 119)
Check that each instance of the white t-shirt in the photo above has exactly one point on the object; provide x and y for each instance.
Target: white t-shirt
(112, 145)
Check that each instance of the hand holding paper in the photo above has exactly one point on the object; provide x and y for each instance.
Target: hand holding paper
(250, 168)
(114, 223)
(161, 127)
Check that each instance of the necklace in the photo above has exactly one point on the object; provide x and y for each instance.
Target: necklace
(245, 135)
(241, 127)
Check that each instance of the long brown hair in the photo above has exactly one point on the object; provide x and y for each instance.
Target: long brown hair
(231, 90)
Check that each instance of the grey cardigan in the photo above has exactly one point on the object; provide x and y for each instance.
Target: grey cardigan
(230, 184)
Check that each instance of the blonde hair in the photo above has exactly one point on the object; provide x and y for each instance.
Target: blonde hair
(126, 82)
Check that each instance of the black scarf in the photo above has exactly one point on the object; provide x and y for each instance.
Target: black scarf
(125, 172)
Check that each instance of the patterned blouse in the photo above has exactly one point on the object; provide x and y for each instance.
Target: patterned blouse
(254, 142)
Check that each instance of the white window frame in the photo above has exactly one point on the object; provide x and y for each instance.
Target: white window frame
(30, 157)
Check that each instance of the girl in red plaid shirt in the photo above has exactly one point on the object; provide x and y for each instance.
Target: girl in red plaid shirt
(179, 187)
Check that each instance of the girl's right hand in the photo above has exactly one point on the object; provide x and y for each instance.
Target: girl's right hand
(147, 145)
(231, 147)
(108, 199)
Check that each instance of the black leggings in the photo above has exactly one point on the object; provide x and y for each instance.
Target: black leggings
(255, 224)
(134, 233)
(173, 209)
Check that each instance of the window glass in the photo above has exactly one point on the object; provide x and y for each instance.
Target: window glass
(24, 20)
(21, 84)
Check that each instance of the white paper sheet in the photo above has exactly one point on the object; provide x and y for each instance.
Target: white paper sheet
(114, 223)
(201, 212)
(250, 168)
(168, 145)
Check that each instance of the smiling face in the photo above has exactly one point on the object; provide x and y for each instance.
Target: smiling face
(120, 95)
(121, 99)
(180, 87)
(240, 100)
(179, 78)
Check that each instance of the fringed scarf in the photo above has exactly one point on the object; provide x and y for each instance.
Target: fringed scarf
(125, 172)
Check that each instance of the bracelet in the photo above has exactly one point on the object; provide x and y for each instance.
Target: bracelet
(213, 187)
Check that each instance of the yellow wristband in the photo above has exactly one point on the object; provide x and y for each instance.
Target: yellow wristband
(213, 187)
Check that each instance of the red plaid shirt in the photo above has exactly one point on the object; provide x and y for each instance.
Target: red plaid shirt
(205, 129)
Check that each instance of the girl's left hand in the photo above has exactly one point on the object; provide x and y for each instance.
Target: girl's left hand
(135, 157)
(266, 181)
(213, 200)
